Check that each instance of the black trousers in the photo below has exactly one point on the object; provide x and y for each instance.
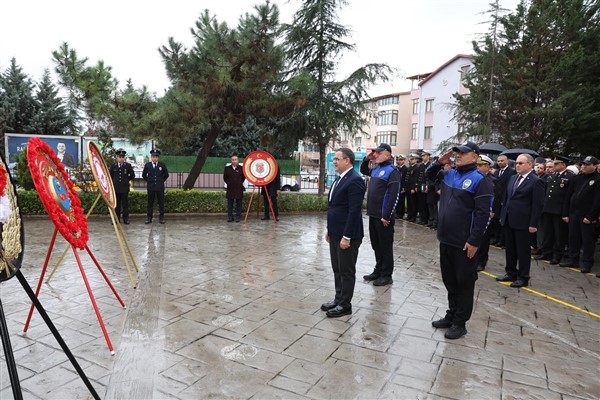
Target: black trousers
(483, 251)
(581, 237)
(411, 204)
(459, 274)
(518, 250)
(401, 208)
(423, 208)
(343, 263)
(497, 230)
(555, 234)
(238, 208)
(160, 197)
(266, 204)
(382, 242)
(122, 205)
(433, 213)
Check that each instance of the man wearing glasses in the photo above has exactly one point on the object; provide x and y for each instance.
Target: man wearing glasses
(521, 219)
(344, 231)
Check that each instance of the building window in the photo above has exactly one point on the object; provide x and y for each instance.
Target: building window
(464, 70)
(388, 117)
(414, 131)
(358, 141)
(415, 106)
(429, 105)
(427, 134)
(388, 137)
(388, 100)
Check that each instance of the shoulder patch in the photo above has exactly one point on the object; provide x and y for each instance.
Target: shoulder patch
(466, 183)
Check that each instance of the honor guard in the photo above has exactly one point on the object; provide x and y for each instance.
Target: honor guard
(121, 173)
(155, 174)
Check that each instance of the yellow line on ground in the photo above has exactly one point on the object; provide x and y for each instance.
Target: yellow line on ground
(564, 303)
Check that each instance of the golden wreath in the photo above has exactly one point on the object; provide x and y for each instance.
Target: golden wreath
(71, 223)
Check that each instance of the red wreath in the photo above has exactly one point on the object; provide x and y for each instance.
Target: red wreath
(2, 180)
(75, 232)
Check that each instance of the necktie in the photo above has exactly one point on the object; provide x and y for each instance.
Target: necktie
(333, 186)
(517, 182)
(154, 165)
(501, 172)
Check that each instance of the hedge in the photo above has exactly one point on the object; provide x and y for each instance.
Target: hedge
(181, 201)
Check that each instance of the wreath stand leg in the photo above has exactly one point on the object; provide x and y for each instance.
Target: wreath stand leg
(121, 238)
(56, 334)
(250, 204)
(64, 253)
(268, 196)
(103, 275)
(10, 359)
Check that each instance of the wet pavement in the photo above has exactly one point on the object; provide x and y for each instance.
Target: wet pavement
(226, 310)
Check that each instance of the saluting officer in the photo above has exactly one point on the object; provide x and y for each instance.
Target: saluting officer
(554, 229)
(121, 173)
(581, 211)
(155, 174)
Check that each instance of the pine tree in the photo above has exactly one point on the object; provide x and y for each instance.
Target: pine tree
(51, 116)
(315, 42)
(16, 100)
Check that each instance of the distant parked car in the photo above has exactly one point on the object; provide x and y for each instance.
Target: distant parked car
(287, 184)
(308, 177)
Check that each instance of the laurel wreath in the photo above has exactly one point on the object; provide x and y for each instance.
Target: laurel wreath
(73, 227)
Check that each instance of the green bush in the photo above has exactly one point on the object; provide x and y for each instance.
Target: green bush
(181, 201)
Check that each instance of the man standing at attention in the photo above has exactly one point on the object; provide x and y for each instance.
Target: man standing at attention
(344, 231)
(155, 174)
(521, 219)
(121, 173)
(234, 178)
(383, 195)
(464, 214)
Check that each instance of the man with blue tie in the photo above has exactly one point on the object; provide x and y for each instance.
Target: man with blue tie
(344, 231)
(521, 219)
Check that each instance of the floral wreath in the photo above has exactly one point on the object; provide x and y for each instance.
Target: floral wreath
(3, 178)
(72, 225)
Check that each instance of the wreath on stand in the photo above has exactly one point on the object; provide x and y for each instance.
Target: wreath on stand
(57, 193)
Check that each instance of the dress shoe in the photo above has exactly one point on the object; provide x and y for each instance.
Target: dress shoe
(506, 278)
(554, 261)
(338, 311)
(328, 306)
(382, 281)
(585, 270)
(371, 277)
(542, 257)
(237, 220)
(455, 332)
(276, 218)
(162, 221)
(229, 219)
(536, 251)
(493, 242)
(443, 323)
(264, 219)
(568, 264)
(126, 222)
(148, 221)
(519, 283)
(480, 268)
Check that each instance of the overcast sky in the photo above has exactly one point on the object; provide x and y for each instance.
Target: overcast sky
(415, 36)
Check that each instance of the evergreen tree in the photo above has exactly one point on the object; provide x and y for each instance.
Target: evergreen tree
(51, 117)
(16, 100)
(539, 85)
(315, 42)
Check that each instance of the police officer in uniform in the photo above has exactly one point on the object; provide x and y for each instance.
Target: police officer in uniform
(410, 185)
(581, 211)
(403, 169)
(121, 173)
(155, 174)
(423, 188)
(554, 229)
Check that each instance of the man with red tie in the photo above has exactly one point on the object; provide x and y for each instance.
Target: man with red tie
(521, 219)
(344, 231)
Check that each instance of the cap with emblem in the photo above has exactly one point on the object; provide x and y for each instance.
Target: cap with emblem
(483, 160)
(590, 160)
(120, 152)
(561, 159)
(401, 157)
(415, 155)
(467, 148)
(425, 153)
(155, 153)
(383, 147)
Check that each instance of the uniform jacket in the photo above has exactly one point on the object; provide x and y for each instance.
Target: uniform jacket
(344, 215)
(234, 178)
(155, 177)
(403, 171)
(500, 188)
(121, 176)
(410, 180)
(384, 189)
(465, 205)
(583, 197)
(557, 187)
(523, 206)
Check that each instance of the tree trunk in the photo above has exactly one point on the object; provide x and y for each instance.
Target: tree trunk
(211, 138)
(322, 169)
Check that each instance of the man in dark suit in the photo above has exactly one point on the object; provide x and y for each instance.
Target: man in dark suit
(121, 173)
(272, 190)
(521, 218)
(403, 169)
(234, 178)
(503, 175)
(155, 174)
(344, 231)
